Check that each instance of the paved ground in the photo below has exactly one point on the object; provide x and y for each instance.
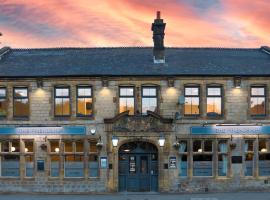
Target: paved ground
(217, 196)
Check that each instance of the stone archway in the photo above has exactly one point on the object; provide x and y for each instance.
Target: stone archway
(138, 167)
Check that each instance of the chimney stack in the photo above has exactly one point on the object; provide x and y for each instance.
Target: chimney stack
(158, 28)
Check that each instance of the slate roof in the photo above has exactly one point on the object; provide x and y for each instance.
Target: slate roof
(134, 61)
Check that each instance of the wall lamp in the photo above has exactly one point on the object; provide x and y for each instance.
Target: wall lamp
(115, 141)
(237, 82)
(105, 83)
(161, 140)
(170, 82)
(39, 83)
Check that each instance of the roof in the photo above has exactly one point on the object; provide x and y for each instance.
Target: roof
(133, 61)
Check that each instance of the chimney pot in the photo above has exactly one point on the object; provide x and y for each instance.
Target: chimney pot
(158, 14)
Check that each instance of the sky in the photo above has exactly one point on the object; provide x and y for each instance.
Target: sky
(111, 23)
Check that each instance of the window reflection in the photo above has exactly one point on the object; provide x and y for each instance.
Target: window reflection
(149, 99)
(257, 101)
(214, 101)
(21, 102)
(192, 101)
(62, 102)
(3, 102)
(126, 100)
(84, 101)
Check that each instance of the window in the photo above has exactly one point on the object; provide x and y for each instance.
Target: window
(62, 102)
(74, 158)
(192, 101)
(214, 101)
(54, 158)
(182, 158)
(257, 101)
(126, 99)
(10, 158)
(264, 158)
(149, 99)
(21, 102)
(248, 157)
(222, 158)
(29, 158)
(202, 158)
(84, 101)
(3, 102)
(93, 165)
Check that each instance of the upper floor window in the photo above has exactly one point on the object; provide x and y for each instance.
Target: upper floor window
(3, 102)
(126, 99)
(21, 102)
(214, 101)
(257, 101)
(62, 101)
(192, 100)
(84, 101)
(149, 99)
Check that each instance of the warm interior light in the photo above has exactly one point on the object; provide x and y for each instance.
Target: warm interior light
(56, 149)
(13, 149)
(200, 150)
(263, 150)
(115, 141)
(127, 150)
(26, 149)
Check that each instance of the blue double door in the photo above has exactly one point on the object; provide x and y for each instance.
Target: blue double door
(138, 172)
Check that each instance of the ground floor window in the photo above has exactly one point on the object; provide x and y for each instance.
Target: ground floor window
(10, 165)
(29, 165)
(73, 166)
(93, 166)
(248, 157)
(222, 158)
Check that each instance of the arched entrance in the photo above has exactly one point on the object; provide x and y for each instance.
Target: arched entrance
(138, 167)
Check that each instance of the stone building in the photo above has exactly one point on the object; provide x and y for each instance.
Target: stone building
(81, 120)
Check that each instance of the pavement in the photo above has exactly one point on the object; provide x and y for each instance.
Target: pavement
(143, 196)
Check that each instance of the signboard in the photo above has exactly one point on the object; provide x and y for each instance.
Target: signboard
(58, 130)
(231, 130)
(103, 162)
(172, 162)
(132, 164)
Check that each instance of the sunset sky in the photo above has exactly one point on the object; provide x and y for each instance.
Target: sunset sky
(99, 23)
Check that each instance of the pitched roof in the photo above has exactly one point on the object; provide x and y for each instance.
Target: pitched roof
(133, 61)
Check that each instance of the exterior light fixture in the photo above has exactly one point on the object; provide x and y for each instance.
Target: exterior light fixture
(57, 150)
(39, 83)
(25, 149)
(115, 141)
(99, 143)
(13, 149)
(93, 131)
(237, 82)
(161, 140)
(199, 150)
(105, 83)
(263, 150)
(170, 82)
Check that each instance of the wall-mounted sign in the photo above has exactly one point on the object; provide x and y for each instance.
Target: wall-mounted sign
(132, 164)
(231, 130)
(103, 162)
(61, 130)
(172, 162)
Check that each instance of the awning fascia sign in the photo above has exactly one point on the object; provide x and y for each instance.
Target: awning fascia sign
(57, 130)
(230, 130)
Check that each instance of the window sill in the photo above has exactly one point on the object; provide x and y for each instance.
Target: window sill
(191, 116)
(21, 118)
(90, 117)
(258, 117)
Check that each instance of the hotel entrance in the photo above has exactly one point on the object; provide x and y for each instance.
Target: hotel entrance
(138, 167)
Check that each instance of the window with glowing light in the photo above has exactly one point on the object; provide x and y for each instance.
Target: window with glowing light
(3, 102)
(20, 102)
(223, 158)
(192, 101)
(264, 157)
(202, 158)
(62, 101)
(257, 101)
(84, 101)
(54, 148)
(10, 158)
(214, 101)
(149, 99)
(126, 99)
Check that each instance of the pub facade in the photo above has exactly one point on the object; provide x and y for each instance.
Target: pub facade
(129, 119)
